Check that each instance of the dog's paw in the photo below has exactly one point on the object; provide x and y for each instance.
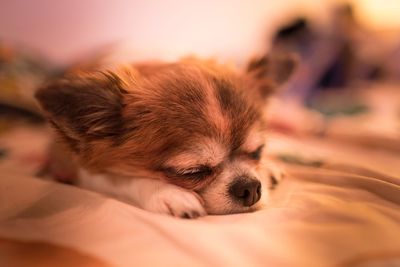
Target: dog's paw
(176, 201)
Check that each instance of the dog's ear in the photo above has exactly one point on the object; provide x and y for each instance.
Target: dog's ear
(84, 107)
(269, 72)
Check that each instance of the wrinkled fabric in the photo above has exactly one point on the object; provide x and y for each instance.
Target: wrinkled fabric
(343, 212)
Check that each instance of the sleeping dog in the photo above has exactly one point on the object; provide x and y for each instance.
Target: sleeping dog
(184, 138)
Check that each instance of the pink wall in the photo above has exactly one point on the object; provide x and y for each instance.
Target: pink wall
(65, 29)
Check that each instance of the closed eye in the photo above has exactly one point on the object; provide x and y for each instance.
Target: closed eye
(199, 172)
(256, 154)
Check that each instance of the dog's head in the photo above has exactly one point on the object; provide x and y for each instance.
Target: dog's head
(196, 124)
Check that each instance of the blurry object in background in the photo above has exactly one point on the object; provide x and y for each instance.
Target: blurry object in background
(23, 148)
(338, 72)
(297, 37)
(342, 87)
(289, 116)
(392, 66)
(367, 115)
(20, 73)
(23, 71)
(353, 60)
(379, 42)
(10, 114)
(333, 56)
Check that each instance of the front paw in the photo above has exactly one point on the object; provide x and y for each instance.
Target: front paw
(176, 201)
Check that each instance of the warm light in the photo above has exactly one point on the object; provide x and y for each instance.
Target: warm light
(379, 14)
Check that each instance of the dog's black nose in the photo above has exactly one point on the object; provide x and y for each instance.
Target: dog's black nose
(246, 190)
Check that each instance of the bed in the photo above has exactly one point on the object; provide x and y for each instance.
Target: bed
(339, 205)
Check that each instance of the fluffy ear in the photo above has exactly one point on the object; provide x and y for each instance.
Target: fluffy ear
(270, 72)
(84, 107)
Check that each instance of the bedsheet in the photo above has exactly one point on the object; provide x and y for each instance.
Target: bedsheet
(339, 205)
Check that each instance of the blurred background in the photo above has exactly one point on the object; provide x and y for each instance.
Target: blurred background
(64, 31)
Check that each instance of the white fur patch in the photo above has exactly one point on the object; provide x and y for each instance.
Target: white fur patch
(149, 194)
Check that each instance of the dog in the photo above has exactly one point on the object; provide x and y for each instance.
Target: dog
(185, 139)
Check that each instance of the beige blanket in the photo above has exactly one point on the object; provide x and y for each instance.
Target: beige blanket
(339, 206)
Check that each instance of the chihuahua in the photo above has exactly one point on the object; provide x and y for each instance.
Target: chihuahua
(184, 138)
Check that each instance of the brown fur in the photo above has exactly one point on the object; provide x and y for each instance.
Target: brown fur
(134, 119)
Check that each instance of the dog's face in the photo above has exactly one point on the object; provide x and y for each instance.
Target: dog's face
(196, 124)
